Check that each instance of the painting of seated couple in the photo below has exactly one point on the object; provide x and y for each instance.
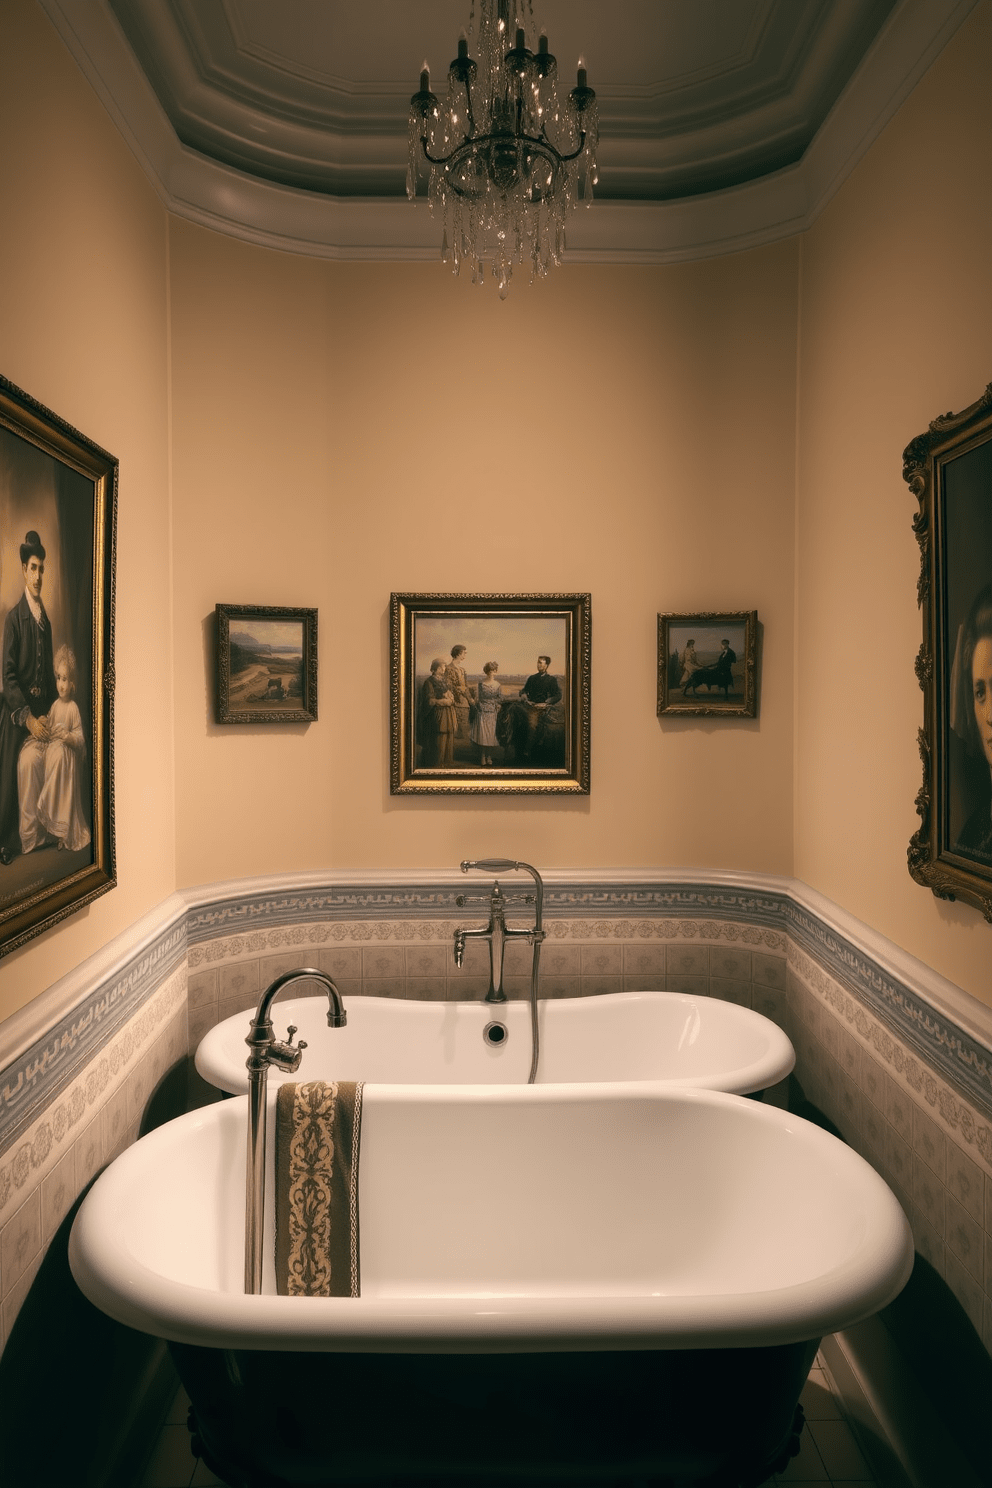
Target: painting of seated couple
(491, 692)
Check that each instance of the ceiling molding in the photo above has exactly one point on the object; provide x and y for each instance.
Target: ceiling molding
(218, 196)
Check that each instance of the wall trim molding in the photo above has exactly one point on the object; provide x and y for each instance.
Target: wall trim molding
(46, 1044)
(776, 206)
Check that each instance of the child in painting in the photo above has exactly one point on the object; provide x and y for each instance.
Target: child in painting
(49, 770)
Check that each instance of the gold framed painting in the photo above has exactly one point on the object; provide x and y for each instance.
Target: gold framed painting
(58, 515)
(490, 693)
(708, 664)
(266, 664)
(949, 471)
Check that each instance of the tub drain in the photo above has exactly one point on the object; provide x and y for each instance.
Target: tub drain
(495, 1033)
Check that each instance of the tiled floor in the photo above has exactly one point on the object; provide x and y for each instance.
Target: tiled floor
(830, 1454)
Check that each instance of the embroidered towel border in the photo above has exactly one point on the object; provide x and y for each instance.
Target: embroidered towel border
(318, 1132)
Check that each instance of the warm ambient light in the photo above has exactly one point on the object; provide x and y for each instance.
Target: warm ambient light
(507, 157)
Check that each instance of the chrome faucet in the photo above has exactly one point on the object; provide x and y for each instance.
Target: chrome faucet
(498, 932)
(266, 1049)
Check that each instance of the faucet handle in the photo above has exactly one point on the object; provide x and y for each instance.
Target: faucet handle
(286, 1056)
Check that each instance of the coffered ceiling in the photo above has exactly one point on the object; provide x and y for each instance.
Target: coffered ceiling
(723, 122)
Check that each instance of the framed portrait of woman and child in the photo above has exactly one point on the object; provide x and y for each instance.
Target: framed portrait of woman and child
(58, 505)
(949, 471)
(490, 693)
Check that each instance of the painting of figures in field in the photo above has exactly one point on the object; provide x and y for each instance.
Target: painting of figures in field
(707, 664)
(491, 691)
(707, 660)
(266, 665)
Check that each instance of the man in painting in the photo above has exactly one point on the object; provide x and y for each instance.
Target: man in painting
(538, 693)
(724, 664)
(455, 677)
(29, 687)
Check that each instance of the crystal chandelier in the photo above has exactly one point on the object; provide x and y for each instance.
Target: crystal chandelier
(508, 158)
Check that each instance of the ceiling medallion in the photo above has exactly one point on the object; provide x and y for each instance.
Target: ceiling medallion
(507, 157)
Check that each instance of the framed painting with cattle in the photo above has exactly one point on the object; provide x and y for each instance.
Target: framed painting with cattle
(58, 512)
(707, 664)
(490, 693)
(949, 471)
(266, 664)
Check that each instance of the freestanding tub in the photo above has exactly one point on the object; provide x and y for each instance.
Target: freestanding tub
(561, 1284)
(694, 1042)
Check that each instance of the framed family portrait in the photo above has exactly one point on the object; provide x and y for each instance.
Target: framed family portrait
(266, 664)
(489, 693)
(58, 512)
(949, 471)
(707, 664)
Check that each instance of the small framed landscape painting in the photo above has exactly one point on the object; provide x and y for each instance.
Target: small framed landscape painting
(490, 693)
(266, 664)
(949, 471)
(707, 664)
(58, 511)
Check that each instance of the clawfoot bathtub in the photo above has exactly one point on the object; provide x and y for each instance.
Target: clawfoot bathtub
(625, 1036)
(560, 1284)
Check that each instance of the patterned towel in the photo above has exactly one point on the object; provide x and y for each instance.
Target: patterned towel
(318, 1130)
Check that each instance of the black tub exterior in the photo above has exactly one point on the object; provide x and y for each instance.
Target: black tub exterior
(719, 1418)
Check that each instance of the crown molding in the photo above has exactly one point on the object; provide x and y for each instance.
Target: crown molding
(765, 210)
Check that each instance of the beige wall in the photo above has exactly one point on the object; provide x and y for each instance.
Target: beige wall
(316, 463)
(83, 328)
(342, 431)
(896, 327)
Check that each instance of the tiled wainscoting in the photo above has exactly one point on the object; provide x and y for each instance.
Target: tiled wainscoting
(897, 1059)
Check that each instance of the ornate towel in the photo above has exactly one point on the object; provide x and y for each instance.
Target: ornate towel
(318, 1130)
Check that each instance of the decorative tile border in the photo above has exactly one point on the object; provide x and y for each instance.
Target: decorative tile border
(273, 911)
(44, 1138)
(38, 1076)
(955, 1055)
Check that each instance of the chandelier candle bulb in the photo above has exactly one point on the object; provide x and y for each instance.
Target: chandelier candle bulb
(425, 79)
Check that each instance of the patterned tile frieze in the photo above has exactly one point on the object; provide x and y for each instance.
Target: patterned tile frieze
(388, 902)
(39, 1147)
(968, 1122)
(958, 1056)
(318, 934)
(43, 1071)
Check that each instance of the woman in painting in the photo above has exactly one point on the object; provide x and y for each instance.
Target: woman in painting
(971, 718)
(483, 730)
(438, 719)
(689, 662)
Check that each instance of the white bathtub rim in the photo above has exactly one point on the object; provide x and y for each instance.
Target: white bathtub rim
(774, 1065)
(115, 1280)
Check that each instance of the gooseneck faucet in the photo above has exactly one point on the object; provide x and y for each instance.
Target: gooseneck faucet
(266, 1049)
(498, 932)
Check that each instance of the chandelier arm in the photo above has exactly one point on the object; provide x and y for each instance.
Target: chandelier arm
(541, 141)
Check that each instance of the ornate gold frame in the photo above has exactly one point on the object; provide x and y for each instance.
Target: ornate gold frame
(512, 619)
(949, 471)
(91, 507)
(228, 711)
(673, 698)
